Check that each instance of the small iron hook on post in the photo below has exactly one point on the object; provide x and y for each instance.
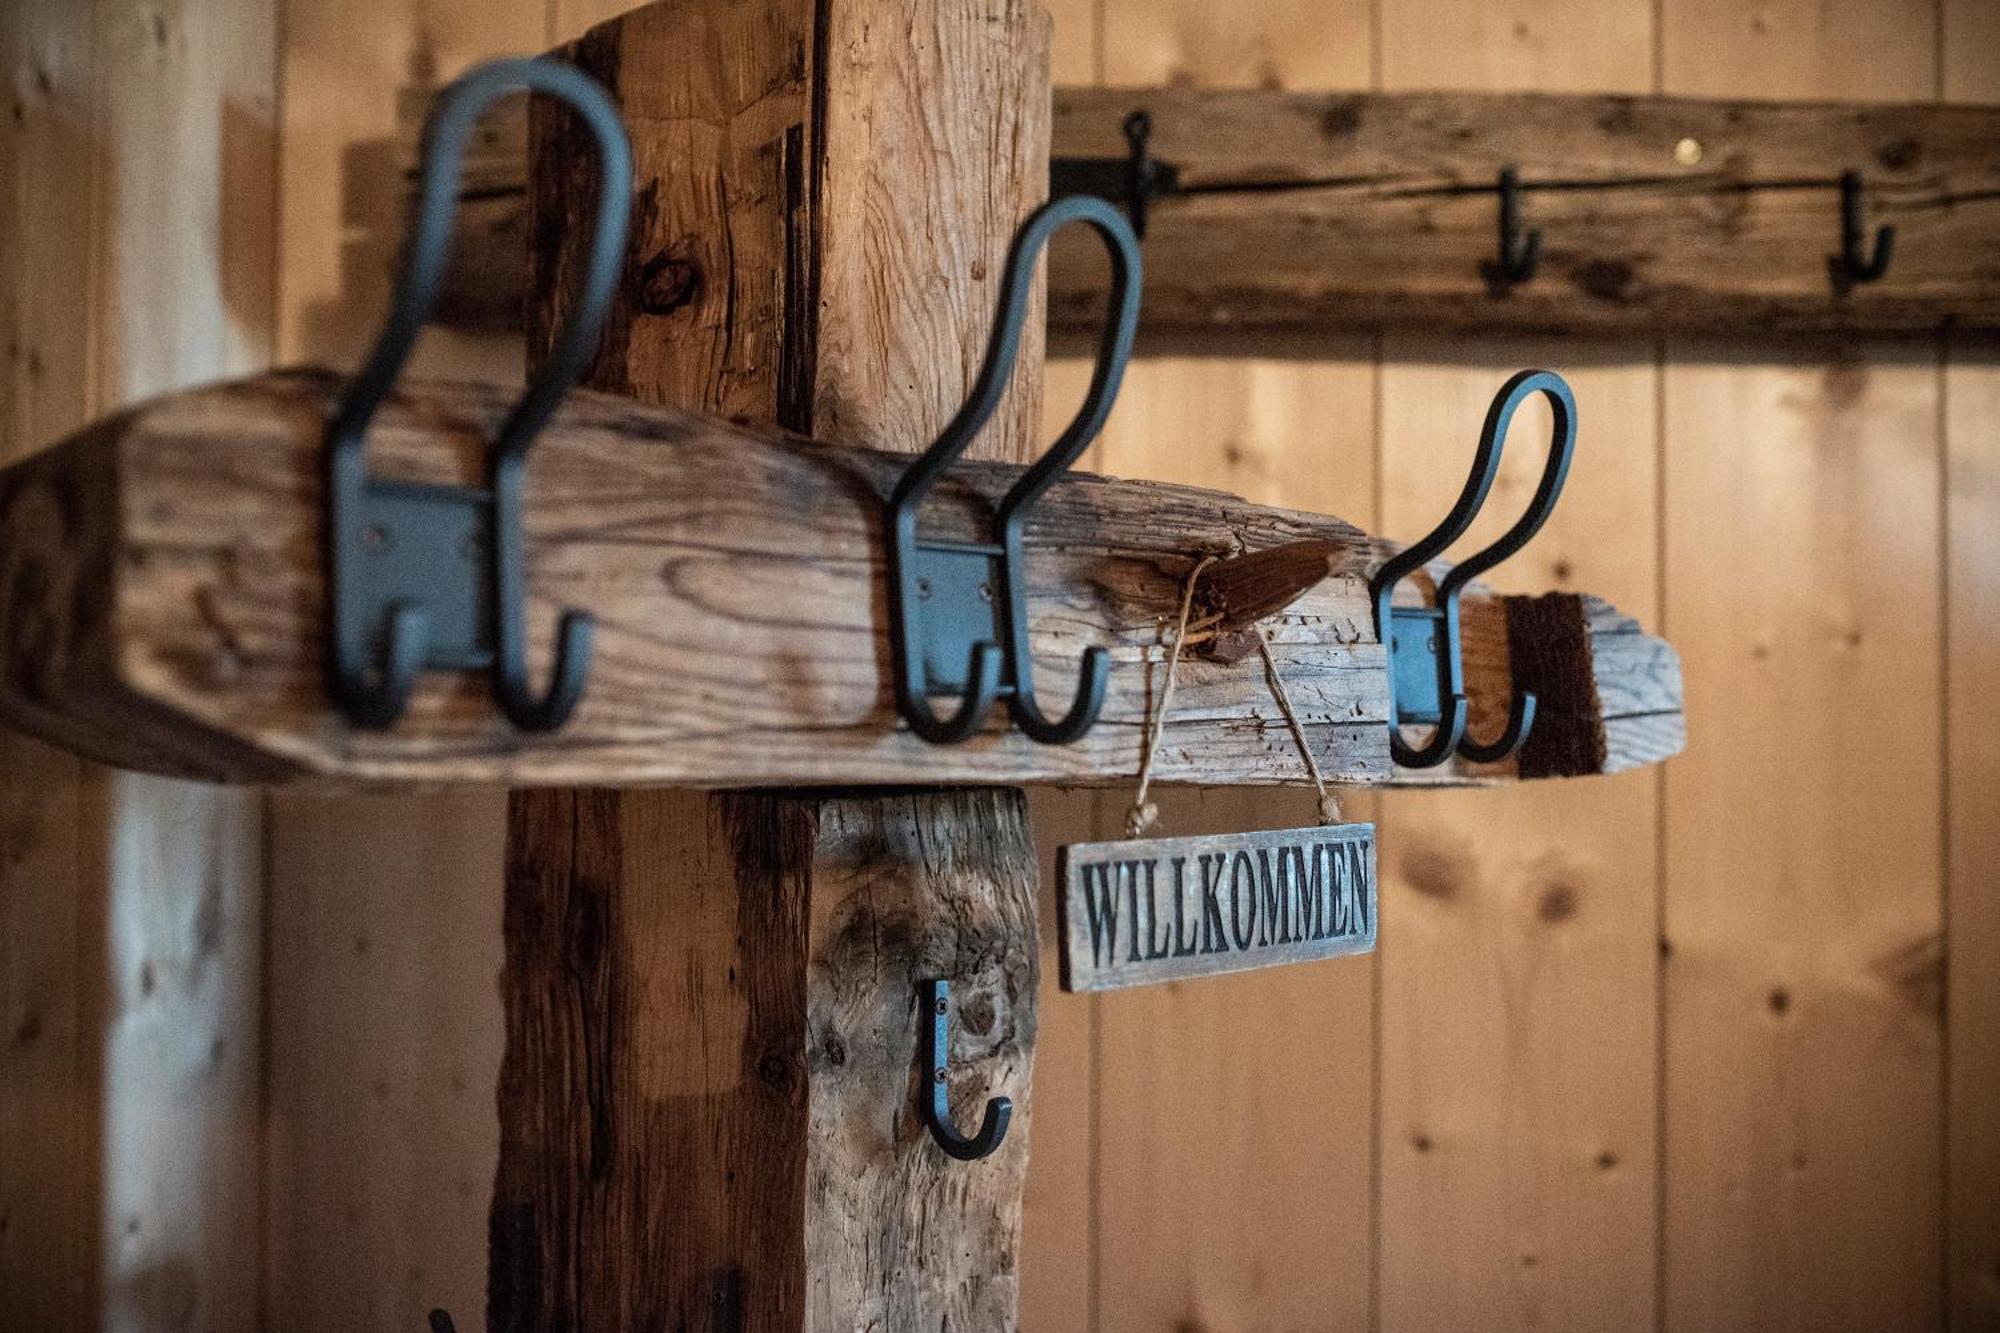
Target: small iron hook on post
(400, 597)
(935, 997)
(1139, 167)
(1851, 267)
(959, 610)
(1426, 669)
(1515, 262)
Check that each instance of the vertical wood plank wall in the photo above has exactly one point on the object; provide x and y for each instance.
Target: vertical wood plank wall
(1716, 1047)
(137, 159)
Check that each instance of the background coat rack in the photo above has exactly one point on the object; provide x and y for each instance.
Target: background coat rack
(1278, 211)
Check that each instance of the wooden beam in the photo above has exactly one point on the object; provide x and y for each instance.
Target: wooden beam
(162, 603)
(709, 1093)
(1302, 211)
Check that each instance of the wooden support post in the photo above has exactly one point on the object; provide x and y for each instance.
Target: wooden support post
(708, 1100)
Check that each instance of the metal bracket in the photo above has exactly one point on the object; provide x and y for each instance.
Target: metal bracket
(959, 610)
(1132, 181)
(431, 577)
(1851, 267)
(935, 997)
(1514, 261)
(1426, 668)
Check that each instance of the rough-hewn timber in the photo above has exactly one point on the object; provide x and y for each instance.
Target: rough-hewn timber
(161, 607)
(1303, 211)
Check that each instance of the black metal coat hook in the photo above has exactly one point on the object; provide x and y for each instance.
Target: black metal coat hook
(959, 610)
(1426, 670)
(1515, 262)
(935, 997)
(406, 586)
(1851, 267)
(1134, 180)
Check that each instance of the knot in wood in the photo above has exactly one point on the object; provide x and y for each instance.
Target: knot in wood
(667, 283)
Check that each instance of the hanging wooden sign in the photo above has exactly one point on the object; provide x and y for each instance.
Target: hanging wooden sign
(1165, 909)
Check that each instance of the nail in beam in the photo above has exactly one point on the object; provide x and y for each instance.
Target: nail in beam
(708, 1098)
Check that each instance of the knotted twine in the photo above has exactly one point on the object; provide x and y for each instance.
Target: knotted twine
(1144, 814)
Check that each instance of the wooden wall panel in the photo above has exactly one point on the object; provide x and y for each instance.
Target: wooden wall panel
(1550, 46)
(1059, 1219)
(51, 899)
(385, 1022)
(1519, 954)
(1300, 44)
(139, 187)
(1972, 912)
(1971, 73)
(1518, 928)
(1803, 895)
(1236, 1114)
(1852, 50)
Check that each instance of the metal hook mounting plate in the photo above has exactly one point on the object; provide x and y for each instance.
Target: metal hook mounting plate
(960, 585)
(1415, 638)
(423, 545)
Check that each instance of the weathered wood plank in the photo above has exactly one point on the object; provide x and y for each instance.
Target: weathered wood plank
(1308, 210)
(1300, 211)
(161, 607)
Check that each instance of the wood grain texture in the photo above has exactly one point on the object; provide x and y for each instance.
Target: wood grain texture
(383, 939)
(1235, 1118)
(1971, 72)
(1803, 898)
(177, 624)
(1059, 1222)
(1972, 840)
(1314, 210)
(771, 1171)
(383, 1049)
(1275, 44)
(1520, 931)
(51, 893)
(1802, 1054)
(138, 177)
(1307, 210)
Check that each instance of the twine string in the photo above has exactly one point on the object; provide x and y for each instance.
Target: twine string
(1144, 813)
(1329, 804)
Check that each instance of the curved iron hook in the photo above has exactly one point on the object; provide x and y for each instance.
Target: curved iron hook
(1850, 266)
(1006, 668)
(935, 996)
(1442, 620)
(1562, 447)
(1518, 255)
(375, 694)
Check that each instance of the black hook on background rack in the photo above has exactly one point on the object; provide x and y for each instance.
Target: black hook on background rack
(1134, 180)
(405, 586)
(1851, 267)
(959, 610)
(935, 997)
(1426, 670)
(1517, 256)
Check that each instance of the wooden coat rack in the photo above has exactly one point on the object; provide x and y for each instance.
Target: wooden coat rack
(710, 1099)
